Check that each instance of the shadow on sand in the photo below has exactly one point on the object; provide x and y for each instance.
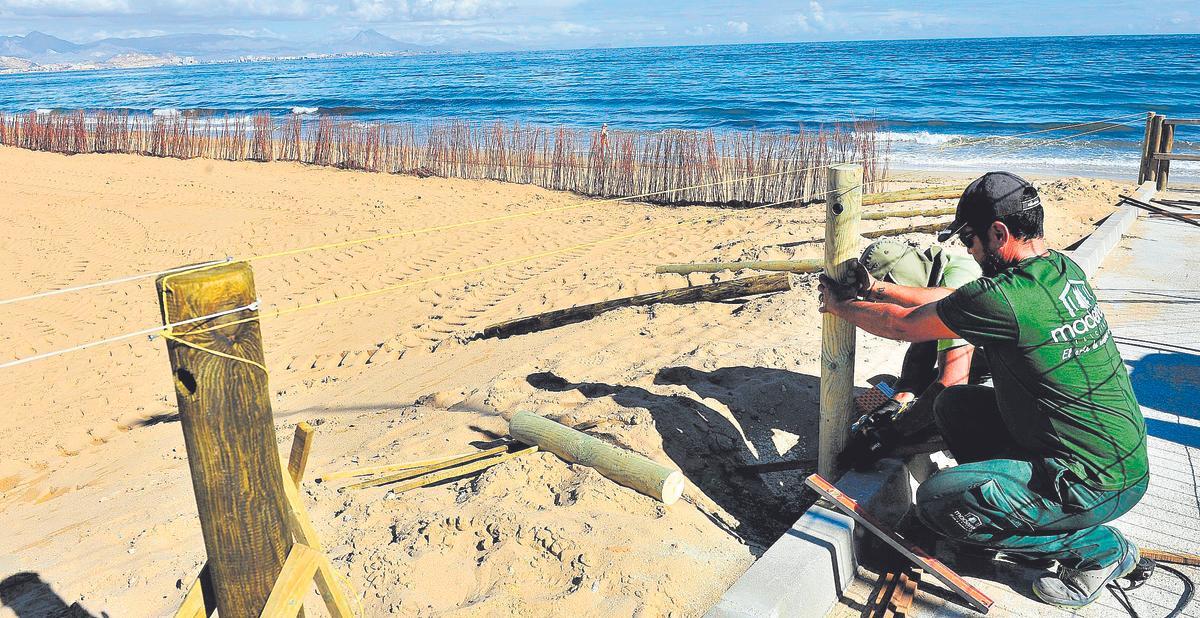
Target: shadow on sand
(775, 410)
(27, 596)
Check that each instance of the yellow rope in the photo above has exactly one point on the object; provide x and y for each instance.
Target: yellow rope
(177, 339)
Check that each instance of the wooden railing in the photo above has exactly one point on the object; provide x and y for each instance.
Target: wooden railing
(1157, 146)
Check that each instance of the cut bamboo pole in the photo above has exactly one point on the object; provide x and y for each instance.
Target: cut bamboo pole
(912, 195)
(435, 477)
(725, 290)
(791, 266)
(225, 414)
(392, 478)
(837, 335)
(619, 465)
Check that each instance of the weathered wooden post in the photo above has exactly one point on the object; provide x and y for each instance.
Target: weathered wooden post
(842, 206)
(1155, 135)
(1147, 150)
(225, 411)
(1165, 147)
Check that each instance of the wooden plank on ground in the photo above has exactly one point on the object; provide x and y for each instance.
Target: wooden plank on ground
(973, 596)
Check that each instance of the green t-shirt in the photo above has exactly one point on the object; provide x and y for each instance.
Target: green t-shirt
(1062, 388)
(957, 271)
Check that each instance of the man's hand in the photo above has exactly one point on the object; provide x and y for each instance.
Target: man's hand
(833, 295)
(861, 279)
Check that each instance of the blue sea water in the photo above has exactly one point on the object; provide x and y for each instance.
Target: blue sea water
(935, 98)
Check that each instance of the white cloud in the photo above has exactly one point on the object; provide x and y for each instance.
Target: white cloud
(817, 11)
(704, 30)
(739, 27)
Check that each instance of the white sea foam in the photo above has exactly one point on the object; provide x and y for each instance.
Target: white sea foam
(922, 137)
(166, 111)
(42, 111)
(304, 110)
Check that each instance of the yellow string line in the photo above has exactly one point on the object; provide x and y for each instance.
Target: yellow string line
(177, 339)
(1006, 137)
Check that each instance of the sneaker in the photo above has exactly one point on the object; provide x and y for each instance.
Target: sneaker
(1072, 588)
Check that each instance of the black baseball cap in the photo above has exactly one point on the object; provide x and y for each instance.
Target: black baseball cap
(990, 197)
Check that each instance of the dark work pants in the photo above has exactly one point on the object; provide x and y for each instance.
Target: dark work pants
(1000, 499)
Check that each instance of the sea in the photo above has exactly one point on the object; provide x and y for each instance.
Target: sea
(1064, 105)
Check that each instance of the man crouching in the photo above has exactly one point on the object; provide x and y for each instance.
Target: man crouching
(1058, 447)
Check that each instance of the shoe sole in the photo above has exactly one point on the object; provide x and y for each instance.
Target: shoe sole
(1117, 574)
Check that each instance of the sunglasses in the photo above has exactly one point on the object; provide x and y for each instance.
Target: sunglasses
(967, 237)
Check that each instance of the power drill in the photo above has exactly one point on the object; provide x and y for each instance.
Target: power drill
(874, 431)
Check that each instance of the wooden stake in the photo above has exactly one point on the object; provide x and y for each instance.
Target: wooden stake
(791, 266)
(1155, 136)
(724, 290)
(837, 335)
(298, 458)
(1168, 144)
(1147, 151)
(225, 413)
(617, 464)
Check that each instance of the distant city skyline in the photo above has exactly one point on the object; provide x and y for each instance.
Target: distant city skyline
(485, 25)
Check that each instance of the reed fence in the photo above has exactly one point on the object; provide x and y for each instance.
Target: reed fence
(594, 162)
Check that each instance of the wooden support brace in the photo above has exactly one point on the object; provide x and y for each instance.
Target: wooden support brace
(912, 195)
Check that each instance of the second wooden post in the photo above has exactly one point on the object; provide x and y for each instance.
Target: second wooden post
(225, 411)
(843, 204)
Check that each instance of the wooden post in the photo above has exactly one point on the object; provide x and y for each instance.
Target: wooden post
(225, 412)
(1168, 144)
(1147, 151)
(1155, 135)
(837, 336)
(617, 464)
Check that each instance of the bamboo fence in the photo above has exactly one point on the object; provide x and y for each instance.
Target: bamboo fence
(599, 162)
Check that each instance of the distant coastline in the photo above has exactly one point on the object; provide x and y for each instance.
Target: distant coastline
(12, 65)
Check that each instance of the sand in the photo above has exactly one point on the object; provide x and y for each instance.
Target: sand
(95, 496)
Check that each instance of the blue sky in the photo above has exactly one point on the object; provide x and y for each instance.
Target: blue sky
(538, 24)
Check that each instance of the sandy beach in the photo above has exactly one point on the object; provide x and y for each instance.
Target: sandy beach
(95, 496)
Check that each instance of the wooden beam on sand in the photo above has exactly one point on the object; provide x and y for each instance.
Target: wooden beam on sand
(838, 335)
(725, 290)
(623, 467)
(910, 229)
(912, 195)
(936, 211)
(791, 266)
(229, 433)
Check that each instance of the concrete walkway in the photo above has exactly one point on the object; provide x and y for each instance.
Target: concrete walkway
(1149, 287)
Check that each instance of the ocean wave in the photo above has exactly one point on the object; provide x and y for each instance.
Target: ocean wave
(923, 137)
(303, 110)
(165, 111)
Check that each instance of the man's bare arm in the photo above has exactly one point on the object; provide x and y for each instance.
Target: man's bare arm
(891, 321)
(905, 296)
(954, 365)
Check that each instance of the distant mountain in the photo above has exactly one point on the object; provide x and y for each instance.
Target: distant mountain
(46, 52)
(35, 44)
(371, 41)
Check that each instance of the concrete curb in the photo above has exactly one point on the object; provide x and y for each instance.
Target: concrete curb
(805, 572)
(1092, 251)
